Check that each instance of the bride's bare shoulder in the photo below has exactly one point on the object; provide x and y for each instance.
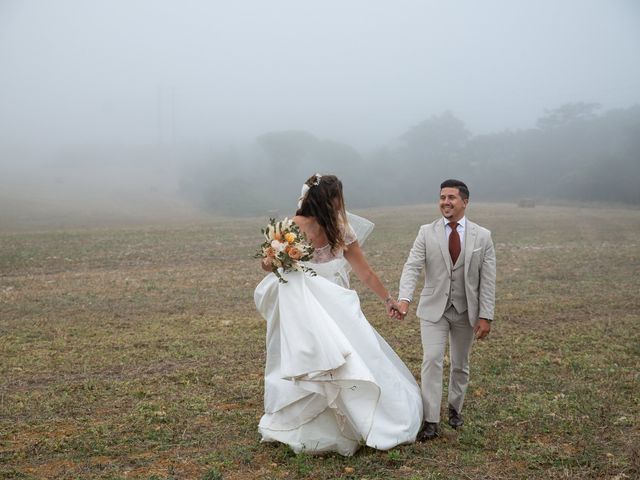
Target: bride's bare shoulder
(309, 226)
(299, 219)
(305, 222)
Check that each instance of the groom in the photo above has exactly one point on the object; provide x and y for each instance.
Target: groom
(456, 302)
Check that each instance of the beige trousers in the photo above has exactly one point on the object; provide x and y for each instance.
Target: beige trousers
(454, 326)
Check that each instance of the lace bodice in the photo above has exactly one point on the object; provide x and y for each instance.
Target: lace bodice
(324, 254)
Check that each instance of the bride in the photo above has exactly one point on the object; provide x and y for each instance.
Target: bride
(332, 383)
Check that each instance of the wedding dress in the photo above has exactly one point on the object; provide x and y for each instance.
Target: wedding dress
(332, 383)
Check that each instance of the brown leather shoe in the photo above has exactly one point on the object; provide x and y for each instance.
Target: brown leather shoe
(455, 419)
(429, 432)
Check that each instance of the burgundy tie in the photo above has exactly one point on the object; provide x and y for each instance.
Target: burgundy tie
(454, 242)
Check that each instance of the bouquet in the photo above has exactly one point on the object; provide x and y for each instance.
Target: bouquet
(285, 246)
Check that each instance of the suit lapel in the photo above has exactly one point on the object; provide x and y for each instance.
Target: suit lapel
(442, 241)
(469, 243)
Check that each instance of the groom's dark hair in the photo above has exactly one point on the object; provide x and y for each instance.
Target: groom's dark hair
(459, 184)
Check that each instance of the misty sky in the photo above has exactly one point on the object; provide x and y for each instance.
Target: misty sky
(357, 71)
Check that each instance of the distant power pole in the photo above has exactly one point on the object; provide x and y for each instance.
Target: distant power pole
(160, 133)
(173, 115)
(166, 95)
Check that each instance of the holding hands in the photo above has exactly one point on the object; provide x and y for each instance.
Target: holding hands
(396, 309)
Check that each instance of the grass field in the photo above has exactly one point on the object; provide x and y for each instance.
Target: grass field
(137, 352)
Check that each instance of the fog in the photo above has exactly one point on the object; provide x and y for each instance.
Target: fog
(167, 86)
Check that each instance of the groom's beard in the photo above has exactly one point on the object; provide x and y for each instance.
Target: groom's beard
(447, 212)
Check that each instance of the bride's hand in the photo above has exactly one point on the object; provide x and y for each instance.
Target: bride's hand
(266, 265)
(393, 310)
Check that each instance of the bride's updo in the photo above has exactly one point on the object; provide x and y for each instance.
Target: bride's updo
(324, 201)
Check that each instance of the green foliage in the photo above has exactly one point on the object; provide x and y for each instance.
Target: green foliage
(301, 464)
(212, 474)
(394, 455)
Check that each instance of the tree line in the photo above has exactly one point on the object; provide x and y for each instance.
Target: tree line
(575, 152)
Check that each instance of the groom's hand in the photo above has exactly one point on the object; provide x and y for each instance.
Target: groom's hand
(402, 308)
(482, 329)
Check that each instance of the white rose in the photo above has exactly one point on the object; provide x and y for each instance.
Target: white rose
(278, 246)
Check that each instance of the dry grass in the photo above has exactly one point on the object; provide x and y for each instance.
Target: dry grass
(136, 352)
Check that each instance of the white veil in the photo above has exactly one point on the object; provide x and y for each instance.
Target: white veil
(361, 226)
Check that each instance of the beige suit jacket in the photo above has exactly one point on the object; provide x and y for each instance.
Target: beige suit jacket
(430, 252)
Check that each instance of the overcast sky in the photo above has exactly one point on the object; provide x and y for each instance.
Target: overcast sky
(358, 71)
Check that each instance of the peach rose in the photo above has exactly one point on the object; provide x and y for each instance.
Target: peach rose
(294, 253)
(270, 252)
